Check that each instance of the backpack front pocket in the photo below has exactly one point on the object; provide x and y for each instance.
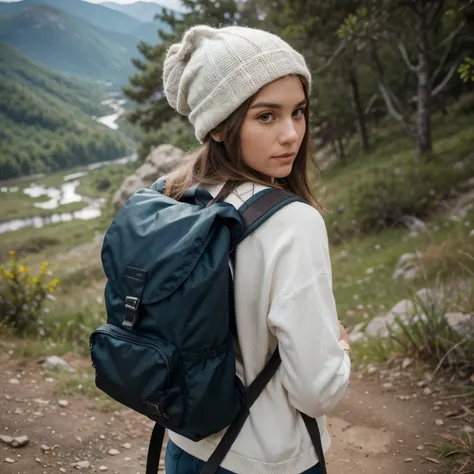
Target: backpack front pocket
(138, 372)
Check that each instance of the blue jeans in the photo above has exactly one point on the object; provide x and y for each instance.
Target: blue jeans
(178, 461)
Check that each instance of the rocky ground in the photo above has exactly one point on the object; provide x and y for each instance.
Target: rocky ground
(385, 424)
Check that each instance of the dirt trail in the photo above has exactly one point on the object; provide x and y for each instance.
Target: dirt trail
(373, 432)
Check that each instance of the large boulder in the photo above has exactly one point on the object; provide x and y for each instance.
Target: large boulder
(161, 161)
(407, 309)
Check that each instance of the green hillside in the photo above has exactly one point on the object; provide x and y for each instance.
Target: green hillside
(45, 122)
(68, 44)
(97, 15)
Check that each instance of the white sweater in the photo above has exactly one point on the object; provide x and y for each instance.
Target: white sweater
(283, 295)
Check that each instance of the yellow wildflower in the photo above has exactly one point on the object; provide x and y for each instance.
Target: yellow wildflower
(11, 252)
(22, 269)
(45, 264)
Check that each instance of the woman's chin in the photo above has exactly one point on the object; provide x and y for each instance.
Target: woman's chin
(281, 172)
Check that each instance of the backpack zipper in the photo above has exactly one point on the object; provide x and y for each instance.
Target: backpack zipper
(118, 334)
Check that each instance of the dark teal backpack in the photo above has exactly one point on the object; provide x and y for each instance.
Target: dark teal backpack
(168, 348)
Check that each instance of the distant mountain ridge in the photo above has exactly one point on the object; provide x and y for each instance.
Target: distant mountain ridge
(69, 44)
(98, 15)
(143, 11)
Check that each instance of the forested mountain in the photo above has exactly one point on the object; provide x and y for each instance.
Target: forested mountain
(68, 44)
(93, 13)
(45, 120)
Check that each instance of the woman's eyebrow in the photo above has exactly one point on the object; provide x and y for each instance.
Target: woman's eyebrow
(271, 105)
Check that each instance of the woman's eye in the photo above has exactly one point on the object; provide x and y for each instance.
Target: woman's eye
(266, 117)
(298, 113)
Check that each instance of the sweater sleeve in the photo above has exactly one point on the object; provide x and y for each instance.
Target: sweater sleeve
(315, 369)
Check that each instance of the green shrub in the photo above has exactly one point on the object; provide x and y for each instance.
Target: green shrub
(21, 295)
(464, 106)
(103, 184)
(380, 198)
(425, 335)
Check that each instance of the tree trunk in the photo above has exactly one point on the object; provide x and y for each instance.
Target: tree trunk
(340, 147)
(359, 112)
(423, 122)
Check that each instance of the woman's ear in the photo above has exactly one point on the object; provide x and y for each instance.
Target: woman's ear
(217, 137)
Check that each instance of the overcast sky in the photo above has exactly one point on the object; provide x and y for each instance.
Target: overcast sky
(165, 3)
(176, 4)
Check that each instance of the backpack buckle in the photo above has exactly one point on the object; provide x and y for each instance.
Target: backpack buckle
(131, 312)
(155, 409)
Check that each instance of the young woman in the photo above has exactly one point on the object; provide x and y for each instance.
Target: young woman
(246, 93)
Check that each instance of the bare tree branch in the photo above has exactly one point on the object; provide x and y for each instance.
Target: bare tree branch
(438, 8)
(445, 81)
(406, 59)
(451, 37)
(370, 104)
(338, 50)
(444, 60)
(388, 96)
(413, 7)
(392, 110)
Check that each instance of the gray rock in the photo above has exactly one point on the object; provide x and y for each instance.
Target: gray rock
(413, 223)
(15, 442)
(357, 332)
(6, 439)
(407, 267)
(377, 327)
(371, 369)
(404, 309)
(160, 162)
(388, 387)
(462, 206)
(55, 363)
(461, 323)
(427, 295)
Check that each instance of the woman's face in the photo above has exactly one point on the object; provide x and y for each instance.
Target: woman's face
(274, 127)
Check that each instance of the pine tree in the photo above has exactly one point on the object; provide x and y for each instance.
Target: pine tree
(146, 88)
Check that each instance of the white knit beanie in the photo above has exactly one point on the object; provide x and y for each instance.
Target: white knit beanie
(213, 71)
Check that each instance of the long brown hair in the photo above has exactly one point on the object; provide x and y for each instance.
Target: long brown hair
(220, 162)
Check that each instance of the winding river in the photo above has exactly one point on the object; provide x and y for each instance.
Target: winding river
(67, 192)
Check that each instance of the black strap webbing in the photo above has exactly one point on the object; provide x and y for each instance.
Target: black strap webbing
(154, 449)
(262, 205)
(254, 390)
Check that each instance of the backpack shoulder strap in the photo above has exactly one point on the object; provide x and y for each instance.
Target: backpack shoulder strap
(255, 212)
(262, 205)
(253, 392)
